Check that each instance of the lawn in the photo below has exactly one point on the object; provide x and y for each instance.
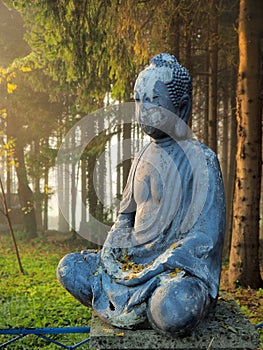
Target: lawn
(36, 299)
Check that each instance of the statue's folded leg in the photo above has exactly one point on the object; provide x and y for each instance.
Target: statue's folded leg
(75, 274)
(176, 307)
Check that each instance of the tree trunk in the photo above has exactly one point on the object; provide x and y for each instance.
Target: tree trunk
(84, 190)
(63, 215)
(231, 168)
(8, 184)
(213, 49)
(92, 196)
(83, 184)
(101, 181)
(126, 152)
(25, 194)
(73, 198)
(224, 161)
(46, 194)
(173, 39)
(37, 192)
(188, 45)
(118, 179)
(206, 91)
(63, 205)
(244, 256)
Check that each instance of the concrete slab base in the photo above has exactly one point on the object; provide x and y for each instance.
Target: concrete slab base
(224, 328)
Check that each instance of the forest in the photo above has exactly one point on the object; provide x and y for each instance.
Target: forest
(63, 60)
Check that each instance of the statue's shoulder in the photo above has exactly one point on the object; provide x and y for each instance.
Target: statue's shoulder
(210, 155)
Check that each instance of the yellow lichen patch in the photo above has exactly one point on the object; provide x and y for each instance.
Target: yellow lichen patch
(129, 265)
(127, 262)
(120, 335)
(175, 272)
(173, 245)
(136, 269)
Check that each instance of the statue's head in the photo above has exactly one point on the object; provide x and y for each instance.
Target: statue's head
(164, 84)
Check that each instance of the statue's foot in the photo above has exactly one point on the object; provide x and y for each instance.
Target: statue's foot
(74, 273)
(178, 306)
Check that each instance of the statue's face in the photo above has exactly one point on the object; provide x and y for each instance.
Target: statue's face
(152, 100)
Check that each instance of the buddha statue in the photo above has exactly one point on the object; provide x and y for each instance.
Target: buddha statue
(161, 261)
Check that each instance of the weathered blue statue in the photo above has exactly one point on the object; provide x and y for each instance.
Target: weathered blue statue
(161, 261)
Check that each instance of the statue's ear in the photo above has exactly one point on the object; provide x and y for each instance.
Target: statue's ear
(185, 106)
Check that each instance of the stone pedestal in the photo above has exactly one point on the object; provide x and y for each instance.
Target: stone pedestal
(224, 328)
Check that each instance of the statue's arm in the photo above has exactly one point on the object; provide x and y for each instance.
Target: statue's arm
(123, 226)
(124, 220)
(120, 233)
(117, 240)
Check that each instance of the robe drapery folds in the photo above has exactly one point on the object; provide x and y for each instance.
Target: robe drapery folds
(177, 232)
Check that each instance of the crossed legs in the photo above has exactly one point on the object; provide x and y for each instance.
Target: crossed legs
(175, 307)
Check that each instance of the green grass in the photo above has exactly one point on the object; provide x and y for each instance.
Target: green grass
(36, 299)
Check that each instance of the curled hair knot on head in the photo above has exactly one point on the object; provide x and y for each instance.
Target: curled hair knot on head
(181, 82)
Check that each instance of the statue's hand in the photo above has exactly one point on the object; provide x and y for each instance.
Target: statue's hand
(133, 279)
(165, 262)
